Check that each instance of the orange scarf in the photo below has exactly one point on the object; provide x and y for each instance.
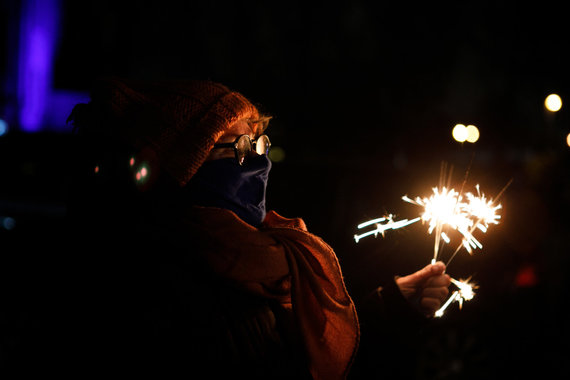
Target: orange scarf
(282, 260)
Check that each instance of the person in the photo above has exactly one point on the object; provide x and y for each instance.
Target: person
(183, 270)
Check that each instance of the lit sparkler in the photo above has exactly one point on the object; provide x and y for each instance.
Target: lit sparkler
(447, 209)
(382, 224)
(464, 292)
(484, 210)
(444, 209)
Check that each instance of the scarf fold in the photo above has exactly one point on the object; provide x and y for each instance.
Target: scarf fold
(281, 260)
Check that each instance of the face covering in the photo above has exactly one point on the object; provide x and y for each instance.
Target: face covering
(225, 184)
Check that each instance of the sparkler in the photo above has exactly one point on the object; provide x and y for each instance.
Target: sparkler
(443, 208)
(447, 209)
(464, 292)
(389, 224)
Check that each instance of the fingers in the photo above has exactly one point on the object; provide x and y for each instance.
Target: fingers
(433, 297)
(430, 305)
(437, 268)
(435, 293)
(426, 272)
(433, 269)
(431, 275)
(439, 293)
(442, 280)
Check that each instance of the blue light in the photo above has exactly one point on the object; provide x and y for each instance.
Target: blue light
(7, 223)
(61, 102)
(3, 127)
(38, 35)
(38, 105)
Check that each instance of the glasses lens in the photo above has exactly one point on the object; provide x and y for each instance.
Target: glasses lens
(262, 145)
(243, 148)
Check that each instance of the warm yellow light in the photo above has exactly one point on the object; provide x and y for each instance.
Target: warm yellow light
(472, 133)
(553, 103)
(568, 139)
(459, 133)
(277, 154)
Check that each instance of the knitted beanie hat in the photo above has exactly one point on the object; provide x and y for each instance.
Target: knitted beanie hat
(178, 122)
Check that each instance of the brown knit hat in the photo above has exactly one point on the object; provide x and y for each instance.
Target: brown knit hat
(178, 122)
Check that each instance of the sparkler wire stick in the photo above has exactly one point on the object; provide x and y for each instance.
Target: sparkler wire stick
(371, 222)
(453, 297)
(381, 228)
(464, 292)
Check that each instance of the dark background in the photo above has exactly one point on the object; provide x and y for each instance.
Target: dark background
(364, 96)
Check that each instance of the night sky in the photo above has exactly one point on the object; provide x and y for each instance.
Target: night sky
(364, 95)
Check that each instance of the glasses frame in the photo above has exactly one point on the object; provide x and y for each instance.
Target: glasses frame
(234, 146)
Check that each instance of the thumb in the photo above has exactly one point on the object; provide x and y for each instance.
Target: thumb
(429, 271)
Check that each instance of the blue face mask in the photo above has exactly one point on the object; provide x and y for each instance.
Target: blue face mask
(225, 184)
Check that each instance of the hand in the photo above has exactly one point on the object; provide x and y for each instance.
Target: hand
(429, 283)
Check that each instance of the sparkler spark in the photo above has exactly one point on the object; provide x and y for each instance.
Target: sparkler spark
(484, 210)
(381, 228)
(464, 292)
(453, 297)
(447, 208)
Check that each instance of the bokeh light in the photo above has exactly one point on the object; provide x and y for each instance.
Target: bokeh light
(472, 133)
(459, 133)
(462, 133)
(568, 139)
(3, 127)
(7, 222)
(277, 154)
(553, 103)
(142, 174)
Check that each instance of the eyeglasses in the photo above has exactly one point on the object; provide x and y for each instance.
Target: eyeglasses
(243, 146)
